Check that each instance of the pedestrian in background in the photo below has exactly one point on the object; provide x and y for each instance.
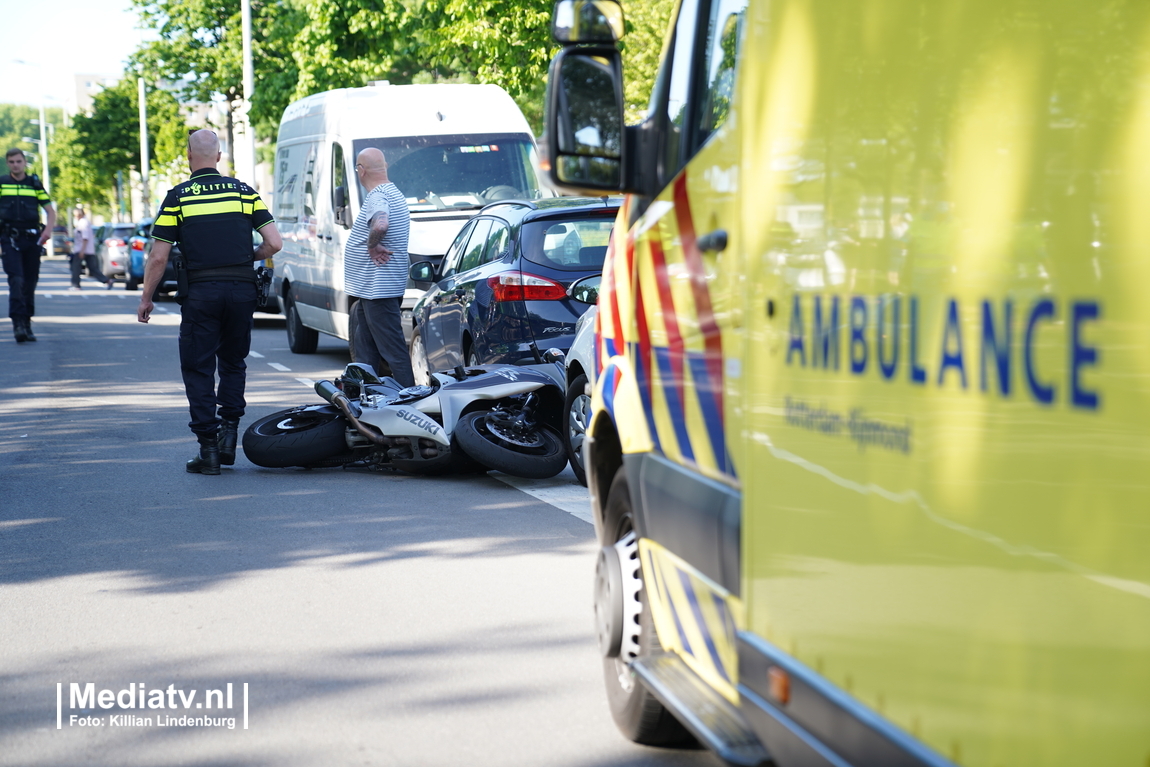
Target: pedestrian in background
(22, 239)
(375, 266)
(84, 252)
(212, 218)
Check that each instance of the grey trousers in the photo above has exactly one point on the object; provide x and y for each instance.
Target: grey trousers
(378, 327)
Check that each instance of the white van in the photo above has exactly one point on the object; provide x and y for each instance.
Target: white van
(451, 149)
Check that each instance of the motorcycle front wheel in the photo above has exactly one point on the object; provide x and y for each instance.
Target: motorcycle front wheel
(537, 453)
(298, 436)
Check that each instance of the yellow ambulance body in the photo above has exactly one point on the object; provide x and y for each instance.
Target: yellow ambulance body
(874, 375)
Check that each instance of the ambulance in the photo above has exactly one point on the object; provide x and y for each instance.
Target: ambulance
(870, 444)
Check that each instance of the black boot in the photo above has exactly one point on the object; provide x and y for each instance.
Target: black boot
(18, 330)
(229, 431)
(28, 331)
(208, 461)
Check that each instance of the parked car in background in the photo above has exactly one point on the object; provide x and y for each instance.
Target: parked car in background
(112, 249)
(137, 249)
(506, 287)
(61, 242)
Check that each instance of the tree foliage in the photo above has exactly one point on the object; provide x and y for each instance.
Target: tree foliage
(16, 123)
(109, 139)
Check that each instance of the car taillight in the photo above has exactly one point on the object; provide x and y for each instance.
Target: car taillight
(114, 243)
(137, 244)
(518, 286)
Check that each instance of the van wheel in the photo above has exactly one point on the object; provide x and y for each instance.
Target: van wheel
(637, 713)
(301, 339)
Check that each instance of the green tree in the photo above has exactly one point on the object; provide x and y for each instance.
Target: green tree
(16, 123)
(200, 48)
(646, 25)
(108, 140)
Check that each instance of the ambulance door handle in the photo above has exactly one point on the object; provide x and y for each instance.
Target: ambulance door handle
(716, 241)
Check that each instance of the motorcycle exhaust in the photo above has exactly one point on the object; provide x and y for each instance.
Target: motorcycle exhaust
(329, 392)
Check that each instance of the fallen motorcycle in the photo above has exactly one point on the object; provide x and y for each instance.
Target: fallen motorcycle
(502, 417)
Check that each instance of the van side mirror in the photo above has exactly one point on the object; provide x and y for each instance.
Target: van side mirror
(342, 217)
(587, 21)
(585, 119)
(424, 271)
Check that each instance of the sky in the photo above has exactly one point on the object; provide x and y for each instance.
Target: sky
(82, 37)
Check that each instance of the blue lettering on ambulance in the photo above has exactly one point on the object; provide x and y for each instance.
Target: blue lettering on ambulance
(999, 345)
(1043, 308)
(858, 335)
(1081, 354)
(952, 337)
(893, 331)
(825, 343)
(796, 342)
(917, 373)
(998, 349)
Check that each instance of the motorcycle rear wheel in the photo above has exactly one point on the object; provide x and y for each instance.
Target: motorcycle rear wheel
(298, 436)
(537, 455)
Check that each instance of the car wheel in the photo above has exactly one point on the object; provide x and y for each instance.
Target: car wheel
(621, 610)
(472, 359)
(578, 410)
(301, 339)
(419, 369)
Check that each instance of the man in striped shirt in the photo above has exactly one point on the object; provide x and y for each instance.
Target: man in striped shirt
(375, 268)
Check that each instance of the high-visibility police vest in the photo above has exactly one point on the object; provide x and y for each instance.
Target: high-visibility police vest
(211, 217)
(20, 201)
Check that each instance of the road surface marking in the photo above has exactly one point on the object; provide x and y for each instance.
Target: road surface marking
(562, 492)
(279, 367)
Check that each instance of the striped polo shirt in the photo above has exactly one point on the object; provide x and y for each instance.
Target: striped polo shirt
(20, 201)
(363, 278)
(212, 218)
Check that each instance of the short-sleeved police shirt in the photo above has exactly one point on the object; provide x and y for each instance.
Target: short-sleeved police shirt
(20, 200)
(212, 218)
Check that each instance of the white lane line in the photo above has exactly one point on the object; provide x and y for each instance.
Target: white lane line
(257, 355)
(279, 367)
(307, 382)
(562, 492)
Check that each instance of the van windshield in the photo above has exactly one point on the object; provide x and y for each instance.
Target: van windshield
(458, 171)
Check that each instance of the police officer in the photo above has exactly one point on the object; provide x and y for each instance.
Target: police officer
(22, 239)
(212, 218)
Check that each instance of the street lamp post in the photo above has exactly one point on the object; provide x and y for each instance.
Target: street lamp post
(44, 142)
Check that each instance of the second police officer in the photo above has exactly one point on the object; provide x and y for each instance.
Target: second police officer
(211, 217)
(22, 239)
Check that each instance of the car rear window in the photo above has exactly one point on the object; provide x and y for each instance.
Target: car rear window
(575, 244)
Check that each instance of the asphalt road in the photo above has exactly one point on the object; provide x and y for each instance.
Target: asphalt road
(375, 619)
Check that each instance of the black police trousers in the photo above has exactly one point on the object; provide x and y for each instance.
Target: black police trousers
(215, 336)
(21, 256)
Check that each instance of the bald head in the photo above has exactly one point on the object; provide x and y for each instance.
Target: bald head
(371, 168)
(203, 149)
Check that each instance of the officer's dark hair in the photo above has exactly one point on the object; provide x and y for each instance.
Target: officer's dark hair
(13, 152)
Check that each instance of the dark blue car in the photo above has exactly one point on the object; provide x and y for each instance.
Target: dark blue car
(518, 273)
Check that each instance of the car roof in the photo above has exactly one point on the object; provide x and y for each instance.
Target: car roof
(517, 212)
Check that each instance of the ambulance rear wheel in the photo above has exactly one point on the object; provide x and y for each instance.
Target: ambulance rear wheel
(637, 713)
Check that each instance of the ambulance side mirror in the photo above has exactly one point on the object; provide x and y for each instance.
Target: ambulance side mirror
(585, 133)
